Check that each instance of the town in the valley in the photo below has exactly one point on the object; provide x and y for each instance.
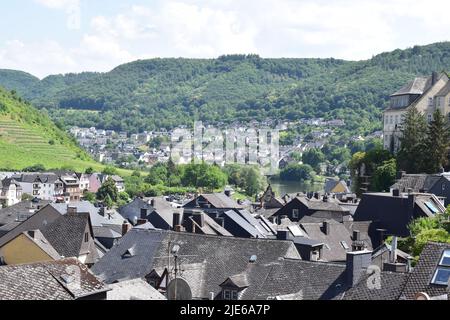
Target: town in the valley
(358, 229)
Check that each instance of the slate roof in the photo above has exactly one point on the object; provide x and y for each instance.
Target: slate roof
(136, 289)
(36, 177)
(416, 182)
(217, 200)
(420, 278)
(417, 86)
(244, 224)
(206, 261)
(20, 210)
(295, 279)
(43, 281)
(105, 232)
(390, 287)
(211, 227)
(85, 206)
(66, 234)
(333, 250)
(320, 205)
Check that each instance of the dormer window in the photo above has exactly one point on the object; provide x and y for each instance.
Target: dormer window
(229, 294)
(442, 273)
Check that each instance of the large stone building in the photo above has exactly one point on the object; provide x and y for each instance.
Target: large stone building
(424, 93)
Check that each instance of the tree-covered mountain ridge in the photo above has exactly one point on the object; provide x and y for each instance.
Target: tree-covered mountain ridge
(155, 93)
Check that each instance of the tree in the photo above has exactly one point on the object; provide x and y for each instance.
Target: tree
(109, 202)
(438, 141)
(296, 172)
(89, 170)
(384, 176)
(314, 157)
(411, 156)
(35, 168)
(89, 196)
(110, 171)
(108, 189)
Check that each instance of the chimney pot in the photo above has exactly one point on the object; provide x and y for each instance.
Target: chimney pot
(356, 235)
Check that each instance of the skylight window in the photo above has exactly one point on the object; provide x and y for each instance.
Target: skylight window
(345, 245)
(431, 207)
(442, 273)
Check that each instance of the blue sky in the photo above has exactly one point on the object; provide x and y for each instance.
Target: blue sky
(58, 36)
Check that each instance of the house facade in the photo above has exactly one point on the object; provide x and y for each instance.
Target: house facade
(426, 94)
(10, 192)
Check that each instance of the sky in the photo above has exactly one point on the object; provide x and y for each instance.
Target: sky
(46, 37)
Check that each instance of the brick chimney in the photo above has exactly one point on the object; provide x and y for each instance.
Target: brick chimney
(126, 227)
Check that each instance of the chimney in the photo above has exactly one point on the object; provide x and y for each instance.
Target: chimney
(396, 192)
(393, 253)
(176, 220)
(228, 193)
(357, 262)
(199, 218)
(356, 235)
(283, 235)
(152, 203)
(326, 228)
(71, 210)
(381, 233)
(141, 222)
(434, 78)
(101, 211)
(316, 195)
(126, 227)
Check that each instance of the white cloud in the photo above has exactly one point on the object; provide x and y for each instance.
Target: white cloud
(349, 29)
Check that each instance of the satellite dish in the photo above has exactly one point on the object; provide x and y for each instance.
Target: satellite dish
(179, 289)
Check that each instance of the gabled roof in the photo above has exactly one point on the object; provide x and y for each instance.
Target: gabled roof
(420, 278)
(205, 261)
(444, 91)
(48, 281)
(237, 281)
(217, 200)
(66, 234)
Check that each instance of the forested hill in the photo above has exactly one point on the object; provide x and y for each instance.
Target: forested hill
(150, 94)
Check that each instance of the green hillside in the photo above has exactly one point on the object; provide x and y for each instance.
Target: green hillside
(149, 94)
(28, 137)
